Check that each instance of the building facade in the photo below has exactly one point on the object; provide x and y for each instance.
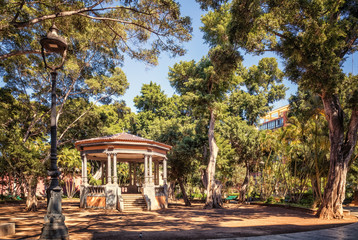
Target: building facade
(275, 119)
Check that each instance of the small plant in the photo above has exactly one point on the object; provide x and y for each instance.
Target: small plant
(270, 200)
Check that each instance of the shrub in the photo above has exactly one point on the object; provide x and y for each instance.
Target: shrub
(270, 200)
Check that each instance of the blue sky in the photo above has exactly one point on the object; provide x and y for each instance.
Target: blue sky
(138, 73)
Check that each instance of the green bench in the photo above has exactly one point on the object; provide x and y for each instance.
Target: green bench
(229, 198)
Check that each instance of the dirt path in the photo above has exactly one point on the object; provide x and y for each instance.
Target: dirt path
(177, 222)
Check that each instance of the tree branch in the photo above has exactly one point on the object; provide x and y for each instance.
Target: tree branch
(18, 53)
(120, 21)
(18, 11)
(71, 88)
(78, 118)
(70, 13)
(52, 16)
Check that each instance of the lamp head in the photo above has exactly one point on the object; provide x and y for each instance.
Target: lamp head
(53, 42)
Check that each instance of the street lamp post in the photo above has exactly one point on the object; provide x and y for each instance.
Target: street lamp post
(54, 226)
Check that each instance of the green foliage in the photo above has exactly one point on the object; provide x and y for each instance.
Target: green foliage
(17, 155)
(313, 37)
(69, 161)
(260, 86)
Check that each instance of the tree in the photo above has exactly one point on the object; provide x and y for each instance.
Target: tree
(180, 133)
(153, 104)
(245, 140)
(163, 119)
(307, 114)
(313, 37)
(203, 85)
(22, 157)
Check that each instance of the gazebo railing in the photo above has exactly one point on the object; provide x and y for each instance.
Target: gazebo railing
(96, 190)
(131, 189)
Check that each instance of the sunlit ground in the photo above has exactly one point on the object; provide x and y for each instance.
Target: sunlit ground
(177, 222)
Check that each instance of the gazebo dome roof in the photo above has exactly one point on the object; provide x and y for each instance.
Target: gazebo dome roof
(117, 138)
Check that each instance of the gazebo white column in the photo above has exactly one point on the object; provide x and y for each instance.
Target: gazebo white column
(165, 170)
(109, 175)
(146, 169)
(84, 169)
(134, 174)
(150, 169)
(102, 172)
(156, 173)
(130, 173)
(115, 177)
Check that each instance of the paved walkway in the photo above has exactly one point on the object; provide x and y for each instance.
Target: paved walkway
(348, 232)
(354, 210)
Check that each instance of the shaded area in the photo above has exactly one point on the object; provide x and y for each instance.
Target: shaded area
(177, 222)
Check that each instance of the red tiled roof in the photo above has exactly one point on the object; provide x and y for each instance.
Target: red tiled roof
(123, 137)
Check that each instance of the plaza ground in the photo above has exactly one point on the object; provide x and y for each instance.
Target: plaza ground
(177, 222)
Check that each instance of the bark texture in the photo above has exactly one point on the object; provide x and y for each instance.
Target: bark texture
(171, 189)
(213, 188)
(342, 145)
(31, 201)
(185, 196)
(245, 184)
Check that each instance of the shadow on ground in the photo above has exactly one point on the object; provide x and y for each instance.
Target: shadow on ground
(177, 222)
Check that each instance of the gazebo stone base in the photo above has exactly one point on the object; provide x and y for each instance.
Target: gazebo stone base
(149, 195)
(83, 196)
(111, 196)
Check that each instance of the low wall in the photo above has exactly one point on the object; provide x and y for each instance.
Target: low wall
(96, 202)
(161, 201)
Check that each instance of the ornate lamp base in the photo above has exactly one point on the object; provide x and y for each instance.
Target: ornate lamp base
(54, 226)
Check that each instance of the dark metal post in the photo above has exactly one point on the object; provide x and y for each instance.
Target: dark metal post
(54, 227)
(54, 173)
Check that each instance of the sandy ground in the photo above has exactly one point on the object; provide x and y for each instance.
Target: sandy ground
(177, 222)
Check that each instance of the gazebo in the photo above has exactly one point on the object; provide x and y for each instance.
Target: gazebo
(150, 190)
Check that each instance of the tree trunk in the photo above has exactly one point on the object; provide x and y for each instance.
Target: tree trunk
(185, 196)
(341, 150)
(245, 184)
(316, 192)
(31, 201)
(213, 196)
(171, 190)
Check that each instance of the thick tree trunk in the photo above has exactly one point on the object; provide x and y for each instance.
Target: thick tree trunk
(245, 184)
(316, 192)
(31, 201)
(185, 196)
(171, 190)
(213, 197)
(342, 147)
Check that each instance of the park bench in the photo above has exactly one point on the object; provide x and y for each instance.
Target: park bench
(230, 198)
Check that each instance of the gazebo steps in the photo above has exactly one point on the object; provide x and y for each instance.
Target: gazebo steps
(134, 202)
